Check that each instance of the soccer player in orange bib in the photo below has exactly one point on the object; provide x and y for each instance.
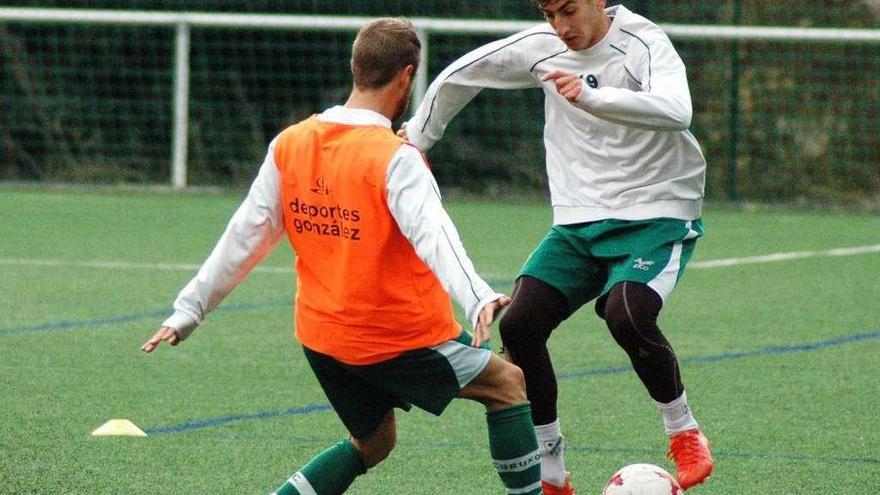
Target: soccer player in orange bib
(377, 258)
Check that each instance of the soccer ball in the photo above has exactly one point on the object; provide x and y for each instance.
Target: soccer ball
(642, 479)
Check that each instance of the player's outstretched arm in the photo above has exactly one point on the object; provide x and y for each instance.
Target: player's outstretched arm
(254, 230)
(502, 64)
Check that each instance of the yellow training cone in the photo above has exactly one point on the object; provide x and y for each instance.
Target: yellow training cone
(118, 427)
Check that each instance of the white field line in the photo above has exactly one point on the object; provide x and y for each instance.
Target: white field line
(189, 267)
(794, 255)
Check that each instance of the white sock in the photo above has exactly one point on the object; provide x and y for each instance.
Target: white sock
(677, 416)
(552, 462)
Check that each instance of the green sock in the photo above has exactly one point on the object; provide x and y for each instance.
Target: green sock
(514, 449)
(328, 473)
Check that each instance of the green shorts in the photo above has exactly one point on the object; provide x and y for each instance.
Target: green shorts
(428, 378)
(584, 261)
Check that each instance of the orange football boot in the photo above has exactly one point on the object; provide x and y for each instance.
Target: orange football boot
(690, 451)
(550, 489)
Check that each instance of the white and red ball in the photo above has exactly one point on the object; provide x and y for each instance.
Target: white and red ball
(642, 479)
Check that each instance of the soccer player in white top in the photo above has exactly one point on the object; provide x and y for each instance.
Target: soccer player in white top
(626, 182)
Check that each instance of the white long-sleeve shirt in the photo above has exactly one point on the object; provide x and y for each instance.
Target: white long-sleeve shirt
(257, 227)
(623, 150)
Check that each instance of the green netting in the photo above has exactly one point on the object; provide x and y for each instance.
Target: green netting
(247, 86)
(777, 120)
(84, 103)
(787, 121)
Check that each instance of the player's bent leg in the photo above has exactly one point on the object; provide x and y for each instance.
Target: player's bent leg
(329, 473)
(367, 413)
(630, 311)
(536, 310)
(333, 471)
(512, 442)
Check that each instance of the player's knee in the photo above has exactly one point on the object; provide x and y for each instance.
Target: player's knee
(372, 453)
(631, 317)
(513, 385)
(537, 309)
(619, 323)
(508, 388)
(520, 332)
(381, 453)
(513, 328)
(500, 384)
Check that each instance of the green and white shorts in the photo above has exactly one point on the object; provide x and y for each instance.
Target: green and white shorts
(428, 378)
(584, 261)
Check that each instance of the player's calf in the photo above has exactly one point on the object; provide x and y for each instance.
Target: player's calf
(377, 446)
(512, 443)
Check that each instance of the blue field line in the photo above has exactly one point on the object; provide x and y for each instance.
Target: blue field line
(733, 356)
(57, 326)
(314, 408)
(634, 454)
(225, 420)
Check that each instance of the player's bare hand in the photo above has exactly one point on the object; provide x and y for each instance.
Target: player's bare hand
(567, 84)
(402, 131)
(166, 334)
(486, 318)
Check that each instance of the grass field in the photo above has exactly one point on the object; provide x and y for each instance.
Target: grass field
(780, 358)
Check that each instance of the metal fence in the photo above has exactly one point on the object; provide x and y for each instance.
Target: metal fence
(193, 98)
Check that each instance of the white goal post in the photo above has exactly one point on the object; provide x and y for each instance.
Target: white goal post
(182, 22)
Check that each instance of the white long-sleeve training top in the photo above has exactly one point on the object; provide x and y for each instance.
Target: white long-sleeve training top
(257, 227)
(623, 150)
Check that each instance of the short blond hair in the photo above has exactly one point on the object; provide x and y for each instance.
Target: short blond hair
(382, 49)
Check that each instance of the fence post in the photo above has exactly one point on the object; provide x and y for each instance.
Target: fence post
(733, 110)
(181, 106)
(420, 85)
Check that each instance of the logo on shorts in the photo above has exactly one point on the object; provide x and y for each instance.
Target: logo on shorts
(643, 265)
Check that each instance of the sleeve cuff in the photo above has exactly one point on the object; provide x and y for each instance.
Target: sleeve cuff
(583, 97)
(418, 139)
(482, 304)
(182, 323)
